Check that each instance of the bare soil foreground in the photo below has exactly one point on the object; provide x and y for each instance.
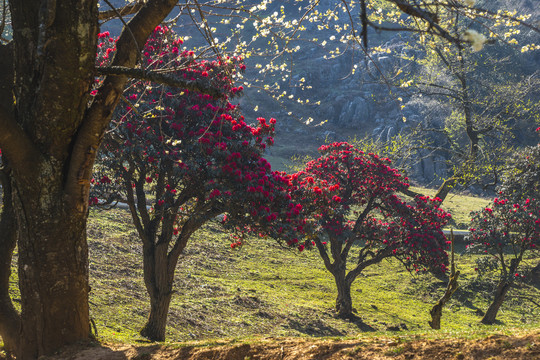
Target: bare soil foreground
(523, 346)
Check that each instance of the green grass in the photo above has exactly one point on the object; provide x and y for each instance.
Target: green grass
(263, 289)
(460, 206)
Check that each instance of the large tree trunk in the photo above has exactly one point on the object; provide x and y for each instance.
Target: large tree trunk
(53, 272)
(343, 301)
(52, 58)
(500, 294)
(158, 281)
(50, 136)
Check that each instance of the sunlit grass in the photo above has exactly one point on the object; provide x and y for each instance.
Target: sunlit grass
(264, 290)
(460, 206)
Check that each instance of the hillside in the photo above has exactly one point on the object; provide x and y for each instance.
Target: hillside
(322, 99)
(259, 296)
(263, 289)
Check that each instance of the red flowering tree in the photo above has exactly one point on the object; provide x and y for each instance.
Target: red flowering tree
(521, 180)
(506, 231)
(351, 202)
(180, 159)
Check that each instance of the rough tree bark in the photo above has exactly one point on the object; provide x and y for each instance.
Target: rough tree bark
(49, 134)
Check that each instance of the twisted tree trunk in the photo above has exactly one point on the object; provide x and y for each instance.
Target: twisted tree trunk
(500, 294)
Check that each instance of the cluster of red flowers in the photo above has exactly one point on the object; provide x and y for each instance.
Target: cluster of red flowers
(346, 183)
(507, 225)
(197, 151)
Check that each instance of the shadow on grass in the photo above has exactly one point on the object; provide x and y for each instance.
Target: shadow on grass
(362, 325)
(314, 328)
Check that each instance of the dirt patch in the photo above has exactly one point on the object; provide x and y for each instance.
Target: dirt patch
(493, 347)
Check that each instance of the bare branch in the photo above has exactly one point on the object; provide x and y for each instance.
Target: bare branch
(527, 298)
(430, 18)
(324, 255)
(98, 116)
(160, 78)
(375, 259)
(123, 11)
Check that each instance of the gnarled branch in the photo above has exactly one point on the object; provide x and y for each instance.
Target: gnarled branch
(160, 78)
(99, 114)
(123, 11)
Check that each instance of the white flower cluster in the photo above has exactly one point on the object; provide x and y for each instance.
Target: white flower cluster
(476, 39)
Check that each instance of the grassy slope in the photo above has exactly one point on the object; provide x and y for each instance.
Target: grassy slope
(459, 206)
(263, 289)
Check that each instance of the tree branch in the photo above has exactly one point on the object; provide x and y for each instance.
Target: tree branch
(195, 221)
(410, 193)
(357, 226)
(353, 274)
(324, 255)
(527, 298)
(98, 116)
(364, 20)
(132, 207)
(160, 78)
(123, 11)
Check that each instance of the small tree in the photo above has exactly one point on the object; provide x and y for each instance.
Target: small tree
(180, 159)
(350, 201)
(521, 180)
(506, 231)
